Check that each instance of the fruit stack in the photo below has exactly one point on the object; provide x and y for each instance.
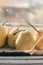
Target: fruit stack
(21, 39)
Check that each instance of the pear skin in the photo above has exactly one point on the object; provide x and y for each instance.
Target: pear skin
(39, 46)
(12, 37)
(37, 36)
(11, 40)
(24, 41)
(3, 35)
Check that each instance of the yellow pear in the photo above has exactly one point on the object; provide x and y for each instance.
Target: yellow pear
(24, 41)
(3, 35)
(12, 37)
(38, 33)
(37, 37)
(39, 45)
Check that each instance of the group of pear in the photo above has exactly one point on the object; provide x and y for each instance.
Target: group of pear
(21, 39)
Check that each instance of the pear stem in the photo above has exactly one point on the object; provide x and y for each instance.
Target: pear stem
(33, 27)
(4, 23)
(18, 32)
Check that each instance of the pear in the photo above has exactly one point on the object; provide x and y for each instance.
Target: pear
(37, 36)
(39, 45)
(3, 34)
(12, 37)
(24, 41)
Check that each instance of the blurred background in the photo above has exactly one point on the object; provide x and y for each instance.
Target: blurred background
(19, 12)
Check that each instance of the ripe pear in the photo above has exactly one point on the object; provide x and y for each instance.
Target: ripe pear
(37, 37)
(3, 35)
(39, 45)
(38, 33)
(24, 41)
(12, 37)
